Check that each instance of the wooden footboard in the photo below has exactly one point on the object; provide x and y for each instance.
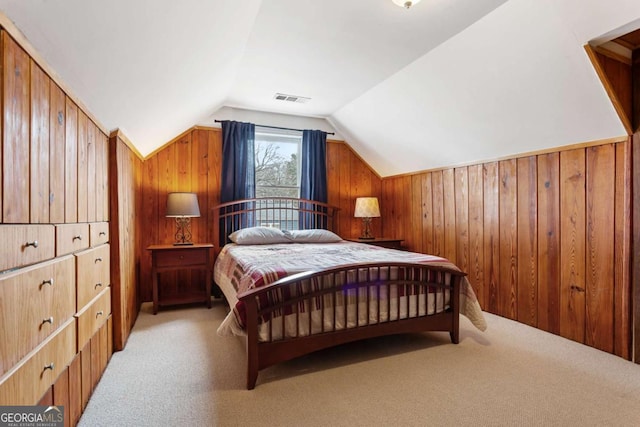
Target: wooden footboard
(310, 311)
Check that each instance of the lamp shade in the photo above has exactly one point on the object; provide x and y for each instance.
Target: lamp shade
(367, 207)
(182, 205)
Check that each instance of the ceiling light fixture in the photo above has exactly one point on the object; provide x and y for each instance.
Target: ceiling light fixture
(406, 3)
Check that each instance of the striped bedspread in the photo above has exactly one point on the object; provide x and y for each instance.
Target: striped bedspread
(239, 268)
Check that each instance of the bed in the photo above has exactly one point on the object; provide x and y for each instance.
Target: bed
(295, 287)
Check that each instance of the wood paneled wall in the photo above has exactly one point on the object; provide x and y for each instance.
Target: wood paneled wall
(349, 177)
(125, 169)
(545, 239)
(193, 162)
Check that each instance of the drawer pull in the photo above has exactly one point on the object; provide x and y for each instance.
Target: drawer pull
(78, 237)
(97, 260)
(46, 282)
(48, 320)
(100, 313)
(49, 366)
(97, 285)
(102, 233)
(34, 244)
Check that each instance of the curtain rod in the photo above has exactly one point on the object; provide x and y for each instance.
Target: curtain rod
(276, 127)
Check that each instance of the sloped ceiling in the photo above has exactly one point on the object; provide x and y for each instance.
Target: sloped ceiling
(443, 83)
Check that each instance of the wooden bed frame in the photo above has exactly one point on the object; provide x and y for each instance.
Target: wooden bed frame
(320, 289)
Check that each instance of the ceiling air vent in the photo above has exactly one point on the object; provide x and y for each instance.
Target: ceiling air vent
(291, 98)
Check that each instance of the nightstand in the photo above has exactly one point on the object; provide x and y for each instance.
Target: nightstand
(171, 258)
(384, 242)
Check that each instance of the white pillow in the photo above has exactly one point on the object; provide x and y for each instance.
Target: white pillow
(258, 236)
(316, 235)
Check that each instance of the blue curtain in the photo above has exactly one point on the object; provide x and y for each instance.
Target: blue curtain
(238, 169)
(313, 175)
(238, 166)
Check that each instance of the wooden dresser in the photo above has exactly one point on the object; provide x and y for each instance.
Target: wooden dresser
(55, 284)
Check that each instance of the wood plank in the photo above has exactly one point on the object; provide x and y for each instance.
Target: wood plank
(461, 176)
(100, 174)
(83, 162)
(347, 199)
(15, 132)
(549, 242)
(75, 391)
(39, 156)
(438, 213)
(200, 183)
(416, 232)
(387, 203)
(61, 395)
(95, 348)
(527, 282)
(491, 236)
(572, 244)
(71, 162)
(47, 398)
(395, 229)
(449, 202)
(599, 246)
(214, 140)
(403, 212)
(151, 212)
(635, 254)
(166, 182)
(57, 124)
(85, 373)
(476, 232)
(622, 254)
(91, 171)
(508, 285)
(104, 182)
(427, 213)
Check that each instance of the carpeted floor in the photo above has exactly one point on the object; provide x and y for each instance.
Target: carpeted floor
(176, 371)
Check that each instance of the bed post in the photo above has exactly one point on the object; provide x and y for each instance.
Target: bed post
(252, 342)
(455, 306)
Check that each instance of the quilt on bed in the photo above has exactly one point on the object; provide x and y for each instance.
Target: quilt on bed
(246, 267)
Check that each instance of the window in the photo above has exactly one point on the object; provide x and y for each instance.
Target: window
(277, 162)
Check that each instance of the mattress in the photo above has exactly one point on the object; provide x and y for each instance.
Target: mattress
(240, 268)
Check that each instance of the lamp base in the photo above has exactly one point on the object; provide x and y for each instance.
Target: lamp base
(366, 232)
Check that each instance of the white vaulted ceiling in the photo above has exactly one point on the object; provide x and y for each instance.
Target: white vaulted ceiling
(445, 82)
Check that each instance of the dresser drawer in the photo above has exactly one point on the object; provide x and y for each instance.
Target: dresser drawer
(34, 302)
(26, 244)
(99, 232)
(31, 378)
(71, 238)
(180, 257)
(93, 316)
(92, 274)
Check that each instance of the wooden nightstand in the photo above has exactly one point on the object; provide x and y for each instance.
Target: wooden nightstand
(384, 242)
(171, 258)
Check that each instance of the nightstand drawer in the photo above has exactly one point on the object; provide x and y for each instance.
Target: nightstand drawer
(181, 257)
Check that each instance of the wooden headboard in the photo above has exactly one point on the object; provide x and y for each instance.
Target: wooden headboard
(285, 213)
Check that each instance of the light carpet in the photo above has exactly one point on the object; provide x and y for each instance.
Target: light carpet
(176, 371)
